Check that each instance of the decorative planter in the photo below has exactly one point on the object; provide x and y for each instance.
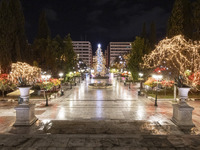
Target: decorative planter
(183, 93)
(24, 93)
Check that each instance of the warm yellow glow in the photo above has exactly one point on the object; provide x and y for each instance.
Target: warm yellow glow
(24, 70)
(176, 54)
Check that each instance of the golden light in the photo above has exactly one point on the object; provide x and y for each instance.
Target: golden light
(175, 54)
(24, 70)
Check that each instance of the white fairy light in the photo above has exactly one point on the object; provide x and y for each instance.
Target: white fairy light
(176, 54)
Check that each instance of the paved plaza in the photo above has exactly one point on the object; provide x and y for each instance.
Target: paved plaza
(86, 118)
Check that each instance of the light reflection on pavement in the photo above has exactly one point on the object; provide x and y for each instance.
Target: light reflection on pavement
(84, 103)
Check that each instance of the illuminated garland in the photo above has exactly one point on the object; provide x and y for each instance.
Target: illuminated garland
(176, 54)
(24, 70)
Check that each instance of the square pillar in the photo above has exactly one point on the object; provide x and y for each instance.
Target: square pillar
(25, 115)
(182, 115)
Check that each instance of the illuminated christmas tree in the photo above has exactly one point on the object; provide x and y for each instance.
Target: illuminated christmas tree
(99, 62)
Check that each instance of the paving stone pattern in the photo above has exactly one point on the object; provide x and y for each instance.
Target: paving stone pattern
(98, 142)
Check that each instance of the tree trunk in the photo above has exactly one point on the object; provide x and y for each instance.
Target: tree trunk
(3, 94)
(46, 97)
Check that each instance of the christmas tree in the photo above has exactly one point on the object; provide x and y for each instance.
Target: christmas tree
(99, 62)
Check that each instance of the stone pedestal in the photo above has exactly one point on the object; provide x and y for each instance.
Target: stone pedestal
(25, 115)
(182, 115)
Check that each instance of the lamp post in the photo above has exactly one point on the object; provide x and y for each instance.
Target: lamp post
(46, 77)
(79, 79)
(129, 73)
(61, 75)
(157, 77)
(82, 74)
(140, 75)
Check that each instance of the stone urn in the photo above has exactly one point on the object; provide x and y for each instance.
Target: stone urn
(24, 93)
(183, 93)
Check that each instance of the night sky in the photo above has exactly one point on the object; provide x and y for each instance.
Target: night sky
(98, 21)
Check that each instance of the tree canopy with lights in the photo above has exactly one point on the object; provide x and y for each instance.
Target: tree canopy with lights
(24, 70)
(175, 54)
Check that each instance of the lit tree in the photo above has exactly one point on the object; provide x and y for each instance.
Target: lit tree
(175, 54)
(99, 64)
(24, 70)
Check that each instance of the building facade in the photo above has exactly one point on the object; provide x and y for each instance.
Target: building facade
(107, 57)
(115, 49)
(83, 49)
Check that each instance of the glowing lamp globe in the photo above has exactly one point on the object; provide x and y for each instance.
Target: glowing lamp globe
(60, 74)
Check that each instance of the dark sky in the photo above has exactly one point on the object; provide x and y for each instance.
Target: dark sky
(99, 21)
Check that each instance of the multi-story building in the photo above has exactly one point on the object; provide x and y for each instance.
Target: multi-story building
(115, 49)
(107, 57)
(83, 49)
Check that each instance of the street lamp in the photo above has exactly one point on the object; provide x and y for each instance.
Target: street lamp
(157, 77)
(61, 75)
(46, 76)
(140, 75)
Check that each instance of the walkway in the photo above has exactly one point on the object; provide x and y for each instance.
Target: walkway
(86, 118)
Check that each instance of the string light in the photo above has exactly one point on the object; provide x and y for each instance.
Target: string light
(176, 54)
(24, 70)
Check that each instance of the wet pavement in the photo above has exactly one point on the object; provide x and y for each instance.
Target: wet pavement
(86, 118)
